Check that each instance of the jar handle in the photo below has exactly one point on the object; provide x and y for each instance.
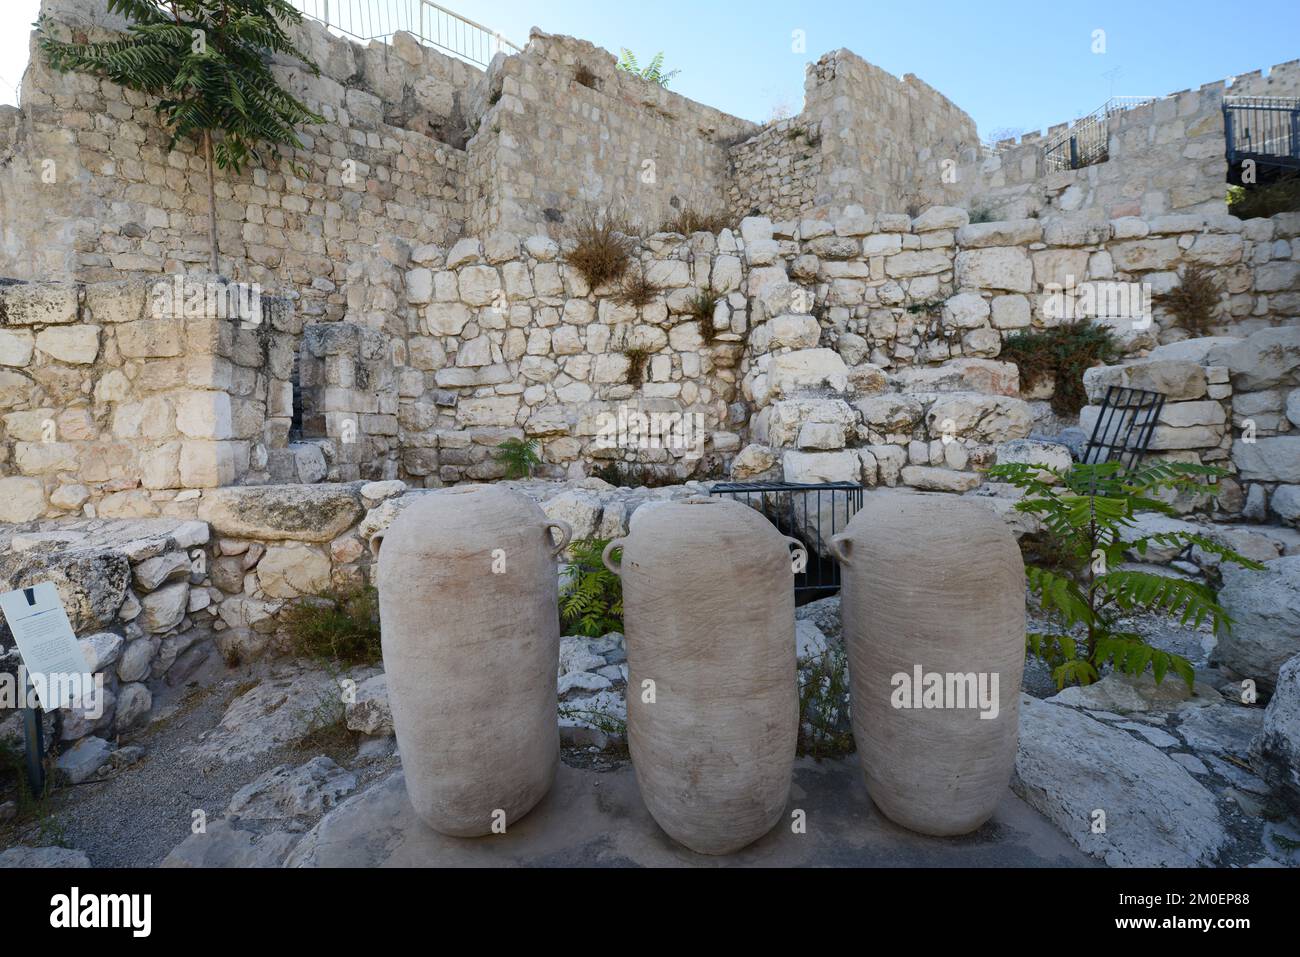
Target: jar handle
(799, 557)
(841, 546)
(566, 534)
(607, 556)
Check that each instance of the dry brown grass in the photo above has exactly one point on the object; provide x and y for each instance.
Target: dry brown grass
(603, 246)
(637, 290)
(1194, 302)
(689, 221)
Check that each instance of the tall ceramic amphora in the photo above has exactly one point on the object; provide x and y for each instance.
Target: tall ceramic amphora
(469, 614)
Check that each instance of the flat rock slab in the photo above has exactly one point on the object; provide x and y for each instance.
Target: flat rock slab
(598, 819)
(1070, 766)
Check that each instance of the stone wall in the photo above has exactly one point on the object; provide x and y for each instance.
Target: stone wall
(566, 132)
(108, 397)
(89, 188)
(112, 405)
(1233, 402)
(1166, 156)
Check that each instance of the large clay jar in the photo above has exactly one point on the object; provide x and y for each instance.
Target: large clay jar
(471, 638)
(933, 585)
(708, 609)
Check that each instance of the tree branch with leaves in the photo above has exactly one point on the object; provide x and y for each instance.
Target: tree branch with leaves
(207, 63)
(1089, 513)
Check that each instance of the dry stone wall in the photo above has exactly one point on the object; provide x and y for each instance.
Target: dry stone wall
(89, 187)
(566, 132)
(1166, 156)
(824, 337)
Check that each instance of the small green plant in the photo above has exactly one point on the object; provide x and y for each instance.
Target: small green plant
(637, 360)
(338, 626)
(1194, 301)
(700, 307)
(592, 605)
(327, 727)
(982, 214)
(1090, 512)
(1063, 353)
(30, 806)
(824, 727)
(602, 247)
(654, 71)
(519, 456)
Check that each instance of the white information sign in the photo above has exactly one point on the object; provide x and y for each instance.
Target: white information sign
(48, 646)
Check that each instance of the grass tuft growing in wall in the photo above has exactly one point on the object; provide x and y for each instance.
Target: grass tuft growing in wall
(1194, 302)
(602, 247)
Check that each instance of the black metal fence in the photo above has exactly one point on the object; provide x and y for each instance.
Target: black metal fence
(811, 513)
(1264, 130)
(1124, 426)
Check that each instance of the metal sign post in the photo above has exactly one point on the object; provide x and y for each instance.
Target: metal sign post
(33, 741)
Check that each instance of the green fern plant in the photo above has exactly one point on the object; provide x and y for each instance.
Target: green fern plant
(654, 72)
(1087, 512)
(207, 63)
(519, 456)
(592, 605)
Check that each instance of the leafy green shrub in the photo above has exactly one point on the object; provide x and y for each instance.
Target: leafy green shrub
(602, 247)
(1252, 202)
(519, 456)
(338, 626)
(1194, 302)
(593, 603)
(654, 71)
(1062, 352)
(1087, 515)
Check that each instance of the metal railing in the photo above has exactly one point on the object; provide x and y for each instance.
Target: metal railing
(434, 25)
(810, 513)
(1087, 141)
(1125, 423)
(1263, 129)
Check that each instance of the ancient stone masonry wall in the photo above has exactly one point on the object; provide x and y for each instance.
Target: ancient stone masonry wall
(108, 397)
(89, 188)
(775, 173)
(1166, 156)
(565, 131)
(878, 133)
(825, 336)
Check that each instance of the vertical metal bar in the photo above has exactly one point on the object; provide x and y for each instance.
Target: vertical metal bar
(1135, 408)
(33, 742)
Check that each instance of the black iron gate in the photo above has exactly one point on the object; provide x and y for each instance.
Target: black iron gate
(1124, 426)
(810, 513)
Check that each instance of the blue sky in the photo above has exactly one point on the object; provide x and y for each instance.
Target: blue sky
(1009, 63)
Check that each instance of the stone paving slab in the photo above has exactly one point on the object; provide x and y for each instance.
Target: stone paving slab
(597, 819)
